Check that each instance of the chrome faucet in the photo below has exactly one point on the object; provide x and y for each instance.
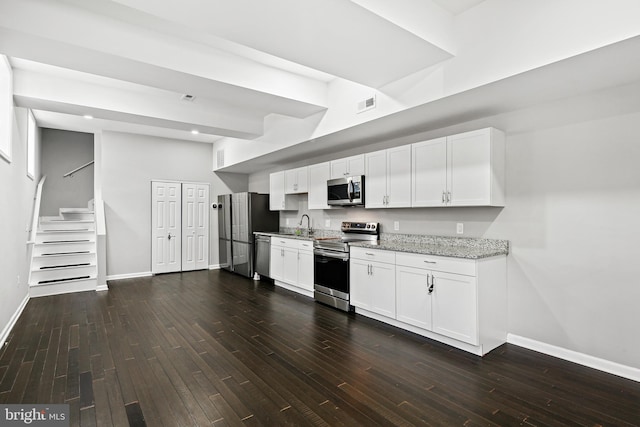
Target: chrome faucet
(308, 223)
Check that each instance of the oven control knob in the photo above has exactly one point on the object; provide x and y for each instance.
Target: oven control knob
(368, 225)
(373, 226)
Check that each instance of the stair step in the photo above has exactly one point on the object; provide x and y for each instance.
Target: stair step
(59, 248)
(66, 225)
(63, 287)
(70, 279)
(53, 236)
(59, 273)
(63, 259)
(77, 213)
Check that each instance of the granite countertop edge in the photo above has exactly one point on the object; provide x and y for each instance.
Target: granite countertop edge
(453, 247)
(436, 250)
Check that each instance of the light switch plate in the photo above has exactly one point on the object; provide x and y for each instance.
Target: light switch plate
(396, 225)
(288, 221)
(459, 228)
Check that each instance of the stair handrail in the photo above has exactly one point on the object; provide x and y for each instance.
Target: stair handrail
(37, 198)
(70, 173)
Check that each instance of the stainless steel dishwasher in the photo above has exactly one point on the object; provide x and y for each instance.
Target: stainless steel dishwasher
(263, 255)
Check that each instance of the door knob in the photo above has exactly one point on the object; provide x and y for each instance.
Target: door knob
(169, 236)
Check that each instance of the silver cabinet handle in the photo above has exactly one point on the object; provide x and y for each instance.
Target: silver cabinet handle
(448, 196)
(433, 279)
(430, 262)
(369, 253)
(443, 196)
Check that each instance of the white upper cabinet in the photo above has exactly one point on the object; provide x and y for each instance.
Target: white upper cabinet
(348, 166)
(460, 170)
(318, 175)
(296, 181)
(388, 178)
(278, 200)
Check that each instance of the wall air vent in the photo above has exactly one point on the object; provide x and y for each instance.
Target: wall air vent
(220, 158)
(187, 97)
(367, 104)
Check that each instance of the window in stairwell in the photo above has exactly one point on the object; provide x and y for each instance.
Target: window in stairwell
(6, 108)
(31, 144)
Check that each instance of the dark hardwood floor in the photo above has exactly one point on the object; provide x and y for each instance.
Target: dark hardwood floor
(213, 348)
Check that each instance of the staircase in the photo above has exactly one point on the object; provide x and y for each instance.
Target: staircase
(64, 254)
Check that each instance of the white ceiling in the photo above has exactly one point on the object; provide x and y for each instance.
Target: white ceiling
(128, 62)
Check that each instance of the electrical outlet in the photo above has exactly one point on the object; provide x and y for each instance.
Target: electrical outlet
(396, 225)
(18, 281)
(459, 228)
(327, 223)
(288, 221)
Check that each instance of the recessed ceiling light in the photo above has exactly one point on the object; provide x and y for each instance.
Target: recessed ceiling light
(88, 116)
(195, 131)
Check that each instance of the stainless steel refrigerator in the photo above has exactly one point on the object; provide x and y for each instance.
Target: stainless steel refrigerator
(239, 216)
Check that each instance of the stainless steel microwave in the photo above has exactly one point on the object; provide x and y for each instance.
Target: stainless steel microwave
(347, 191)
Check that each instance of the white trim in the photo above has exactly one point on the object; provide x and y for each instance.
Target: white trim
(129, 275)
(102, 288)
(576, 357)
(215, 266)
(12, 322)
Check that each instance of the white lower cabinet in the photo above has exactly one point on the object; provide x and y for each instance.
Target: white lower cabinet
(461, 302)
(372, 281)
(292, 264)
(413, 299)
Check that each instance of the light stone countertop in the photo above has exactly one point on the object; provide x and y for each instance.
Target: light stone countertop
(456, 247)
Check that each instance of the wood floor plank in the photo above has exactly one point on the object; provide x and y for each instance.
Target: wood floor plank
(214, 348)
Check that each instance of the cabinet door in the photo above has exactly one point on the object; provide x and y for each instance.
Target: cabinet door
(375, 179)
(290, 273)
(469, 168)
(305, 270)
(413, 301)
(318, 176)
(355, 165)
(360, 284)
(429, 172)
(338, 168)
(276, 191)
(349, 166)
(276, 263)
(291, 181)
(454, 305)
(383, 289)
(398, 177)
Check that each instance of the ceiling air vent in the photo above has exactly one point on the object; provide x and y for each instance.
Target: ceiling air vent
(367, 104)
(220, 158)
(187, 97)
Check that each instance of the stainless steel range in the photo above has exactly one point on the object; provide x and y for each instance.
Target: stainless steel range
(331, 262)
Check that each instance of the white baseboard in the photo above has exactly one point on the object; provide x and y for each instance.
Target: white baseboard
(215, 267)
(576, 357)
(12, 321)
(102, 288)
(129, 275)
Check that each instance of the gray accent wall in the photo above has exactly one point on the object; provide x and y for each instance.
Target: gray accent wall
(572, 202)
(62, 152)
(128, 165)
(16, 207)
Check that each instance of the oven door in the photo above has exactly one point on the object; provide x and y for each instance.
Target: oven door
(331, 273)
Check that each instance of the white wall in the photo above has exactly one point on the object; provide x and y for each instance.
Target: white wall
(129, 164)
(62, 152)
(572, 202)
(16, 192)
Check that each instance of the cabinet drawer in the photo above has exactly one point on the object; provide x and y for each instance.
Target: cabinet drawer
(305, 245)
(388, 257)
(437, 263)
(283, 242)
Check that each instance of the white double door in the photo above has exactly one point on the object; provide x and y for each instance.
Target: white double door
(180, 226)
